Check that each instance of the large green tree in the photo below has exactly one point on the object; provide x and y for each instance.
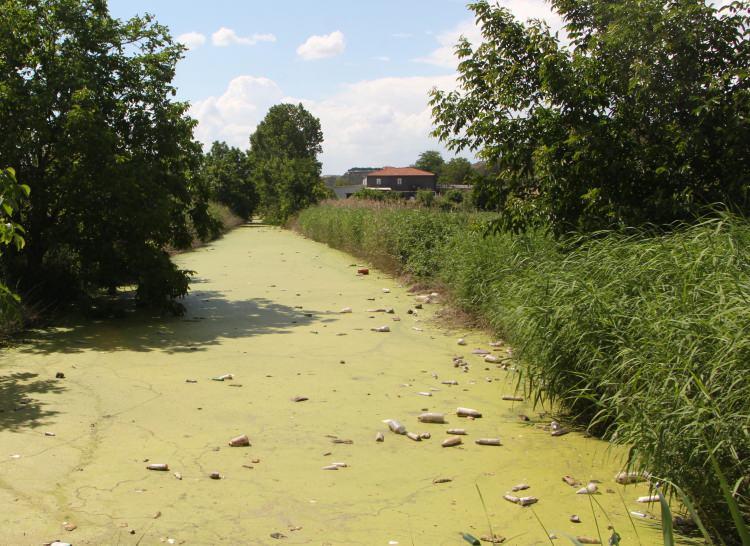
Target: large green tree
(284, 160)
(430, 161)
(642, 117)
(227, 172)
(456, 171)
(88, 120)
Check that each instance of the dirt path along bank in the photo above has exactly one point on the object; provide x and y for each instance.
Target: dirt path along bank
(265, 308)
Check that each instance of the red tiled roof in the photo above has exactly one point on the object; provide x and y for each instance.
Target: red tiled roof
(400, 171)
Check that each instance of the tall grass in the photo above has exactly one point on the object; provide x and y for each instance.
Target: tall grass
(644, 338)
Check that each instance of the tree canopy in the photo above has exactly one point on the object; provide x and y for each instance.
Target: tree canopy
(431, 161)
(90, 124)
(227, 173)
(641, 118)
(456, 171)
(284, 161)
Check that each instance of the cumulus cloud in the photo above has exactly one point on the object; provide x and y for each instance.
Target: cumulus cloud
(232, 116)
(192, 40)
(444, 54)
(225, 37)
(385, 121)
(322, 47)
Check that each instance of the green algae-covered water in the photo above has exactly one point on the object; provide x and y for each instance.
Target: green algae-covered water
(265, 308)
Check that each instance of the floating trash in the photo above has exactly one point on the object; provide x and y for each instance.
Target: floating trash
(431, 417)
(452, 441)
(468, 412)
(395, 426)
(626, 478)
(240, 441)
(648, 499)
(590, 489)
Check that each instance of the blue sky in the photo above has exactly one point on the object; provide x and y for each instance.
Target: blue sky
(364, 67)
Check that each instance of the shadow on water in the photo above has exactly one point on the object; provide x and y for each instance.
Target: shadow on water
(17, 407)
(210, 317)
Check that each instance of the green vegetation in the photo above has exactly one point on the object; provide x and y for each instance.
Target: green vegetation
(227, 173)
(12, 194)
(430, 161)
(284, 161)
(456, 171)
(641, 337)
(642, 118)
(90, 124)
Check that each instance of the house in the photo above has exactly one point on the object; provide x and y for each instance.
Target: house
(356, 175)
(404, 179)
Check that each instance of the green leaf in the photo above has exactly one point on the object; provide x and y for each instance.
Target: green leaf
(739, 523)
(666, 519)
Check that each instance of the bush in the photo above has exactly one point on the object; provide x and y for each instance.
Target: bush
(641, 337)
(426, 198)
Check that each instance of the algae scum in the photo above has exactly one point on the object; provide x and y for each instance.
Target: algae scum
(265, 308)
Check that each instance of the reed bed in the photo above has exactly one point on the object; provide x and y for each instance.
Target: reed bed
(642, 338)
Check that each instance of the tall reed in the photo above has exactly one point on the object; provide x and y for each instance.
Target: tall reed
(643, 338)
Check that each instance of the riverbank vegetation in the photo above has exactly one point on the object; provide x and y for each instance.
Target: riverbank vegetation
(118, 181)
(640, 337)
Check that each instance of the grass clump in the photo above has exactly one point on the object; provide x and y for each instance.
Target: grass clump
(642, 337)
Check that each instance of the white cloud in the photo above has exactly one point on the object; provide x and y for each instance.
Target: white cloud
(224, 37)
(382, 58)
(523, 10)
(401, 35)
(444, 55)
(384, 121)
(321, 47)
(235, 114)
(192, 40)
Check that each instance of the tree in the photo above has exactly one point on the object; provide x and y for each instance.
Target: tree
(12, 194)
(456, 171)
(284, 161)
(642, 118)
(431, 161)
(88, 120)
(227, 173)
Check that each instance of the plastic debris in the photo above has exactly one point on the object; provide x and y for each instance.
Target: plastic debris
(395, 426)
(240, 441)
(431, 417)
(468, 412)
(452, 441)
